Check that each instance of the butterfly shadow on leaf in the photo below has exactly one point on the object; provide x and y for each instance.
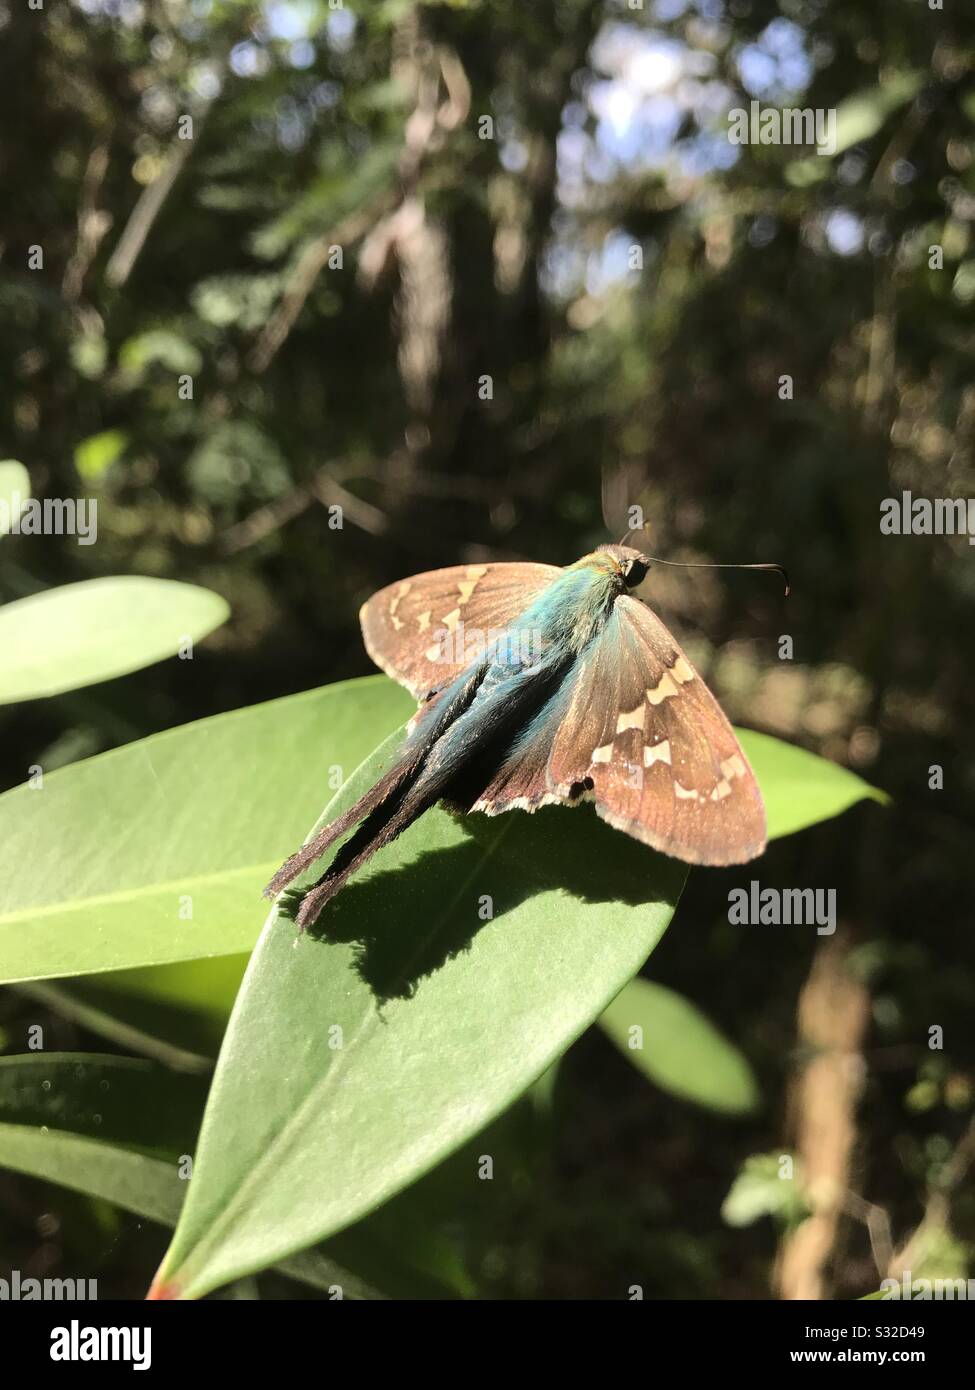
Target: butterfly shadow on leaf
(407, 921)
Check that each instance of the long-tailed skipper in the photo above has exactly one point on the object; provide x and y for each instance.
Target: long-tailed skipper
(540, 685)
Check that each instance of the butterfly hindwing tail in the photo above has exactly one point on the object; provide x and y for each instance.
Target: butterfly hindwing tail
(384, 805)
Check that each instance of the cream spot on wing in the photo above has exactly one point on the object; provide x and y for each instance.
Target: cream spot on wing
(659, 753)
(722, 790)
(476, 572)
(424, 620)
(681, 671)
(685, 793)
(603, 755)
(397, 622)
(733, 766)
(432, 653)
(633, 720)
(451, 619)
(663, 690)
(400, 594)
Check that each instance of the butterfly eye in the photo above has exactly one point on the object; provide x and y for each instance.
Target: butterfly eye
(634, 572)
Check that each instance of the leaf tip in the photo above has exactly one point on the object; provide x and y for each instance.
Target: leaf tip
(161, 1289)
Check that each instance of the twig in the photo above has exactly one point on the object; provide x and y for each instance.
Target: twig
(93, 223)
(144, 214)
(322, 488)
(306, 272)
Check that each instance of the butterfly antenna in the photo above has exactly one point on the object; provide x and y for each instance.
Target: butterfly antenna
(710, 564)
(724, 565)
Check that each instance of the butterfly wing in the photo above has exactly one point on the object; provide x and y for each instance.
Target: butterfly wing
(637, 730)
(407, 626)
(664, 762)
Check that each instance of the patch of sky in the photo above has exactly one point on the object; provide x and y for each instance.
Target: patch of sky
(301, 54)
(649, 83)
(612, 263)
(340, 30)
(844, 232)
(248, 59)
(289, 19)
(777, 65)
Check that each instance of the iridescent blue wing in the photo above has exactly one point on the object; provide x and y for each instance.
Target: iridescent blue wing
(420, 630)
(636, 730)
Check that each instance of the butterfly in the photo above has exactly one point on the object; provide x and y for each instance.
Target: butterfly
(539, 685)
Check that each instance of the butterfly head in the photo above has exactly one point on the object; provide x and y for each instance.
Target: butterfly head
(629, 566)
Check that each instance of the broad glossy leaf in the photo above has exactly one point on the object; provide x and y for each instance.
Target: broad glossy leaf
(149, 1187)
(679, 1049)
(114, 1128)
(444, 1018)
(116, 1100)
(186, 1003)
(799, 788)
(79, 634)
(133, 1032)
(100, 863)
(209, 985)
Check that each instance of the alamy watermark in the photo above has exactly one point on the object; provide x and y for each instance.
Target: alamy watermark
(908, 515)
(17, 1289)
(78, 1343)
(787, 125)
(54, 516)
(756, 906)
(457, 645)
(907, 1287)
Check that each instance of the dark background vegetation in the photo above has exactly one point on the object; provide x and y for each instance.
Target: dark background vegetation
(316, 385)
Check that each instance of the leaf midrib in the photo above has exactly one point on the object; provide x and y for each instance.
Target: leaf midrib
(20, 915)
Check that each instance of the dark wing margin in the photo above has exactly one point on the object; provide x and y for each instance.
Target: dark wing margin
(419, 630)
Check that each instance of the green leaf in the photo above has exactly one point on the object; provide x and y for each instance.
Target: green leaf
(445, 1019)
(95, 455)
(205, 813)
(117, 1100)
(858, 118)
(14, 492)
(799, 788)
(186, 1003)
(80, 634)
(764, 1187)
(124, 1032)
(209, 985)
(115, 1128)
(163, 345)
(149, 1187)
(680, 1049)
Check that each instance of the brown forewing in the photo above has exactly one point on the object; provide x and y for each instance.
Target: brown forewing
(410, 628)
